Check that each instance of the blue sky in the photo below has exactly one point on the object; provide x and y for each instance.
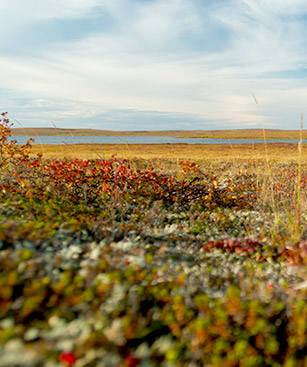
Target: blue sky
(154, 64)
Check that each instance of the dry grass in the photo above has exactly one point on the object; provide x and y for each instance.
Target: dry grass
(196, 152)
(246, 134)
(166, 157)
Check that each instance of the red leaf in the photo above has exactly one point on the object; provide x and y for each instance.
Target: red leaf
(131, 361)
(68, 358)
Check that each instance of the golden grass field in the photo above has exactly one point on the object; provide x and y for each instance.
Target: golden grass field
(194, 152)
(218, 134)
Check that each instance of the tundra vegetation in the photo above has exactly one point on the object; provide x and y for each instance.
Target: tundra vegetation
(143, 262)
(217, 134)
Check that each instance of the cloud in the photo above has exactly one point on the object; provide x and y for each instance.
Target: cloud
(17, 13)
(266, 34)
(168, 58)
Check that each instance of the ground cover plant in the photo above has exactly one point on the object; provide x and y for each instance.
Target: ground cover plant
(106, 262)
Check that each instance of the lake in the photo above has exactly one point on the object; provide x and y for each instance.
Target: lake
(90, 139)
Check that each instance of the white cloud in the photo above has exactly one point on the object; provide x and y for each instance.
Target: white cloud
(174, 56)
(16, 12)
(266, 33)
(163, 21)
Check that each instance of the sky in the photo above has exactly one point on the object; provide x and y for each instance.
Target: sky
(154, 64)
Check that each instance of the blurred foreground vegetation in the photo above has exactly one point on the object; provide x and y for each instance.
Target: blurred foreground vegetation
(151, 261)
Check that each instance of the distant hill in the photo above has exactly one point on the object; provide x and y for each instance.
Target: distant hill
(218, 134)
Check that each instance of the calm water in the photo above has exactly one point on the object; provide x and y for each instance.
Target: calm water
(47, 139)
